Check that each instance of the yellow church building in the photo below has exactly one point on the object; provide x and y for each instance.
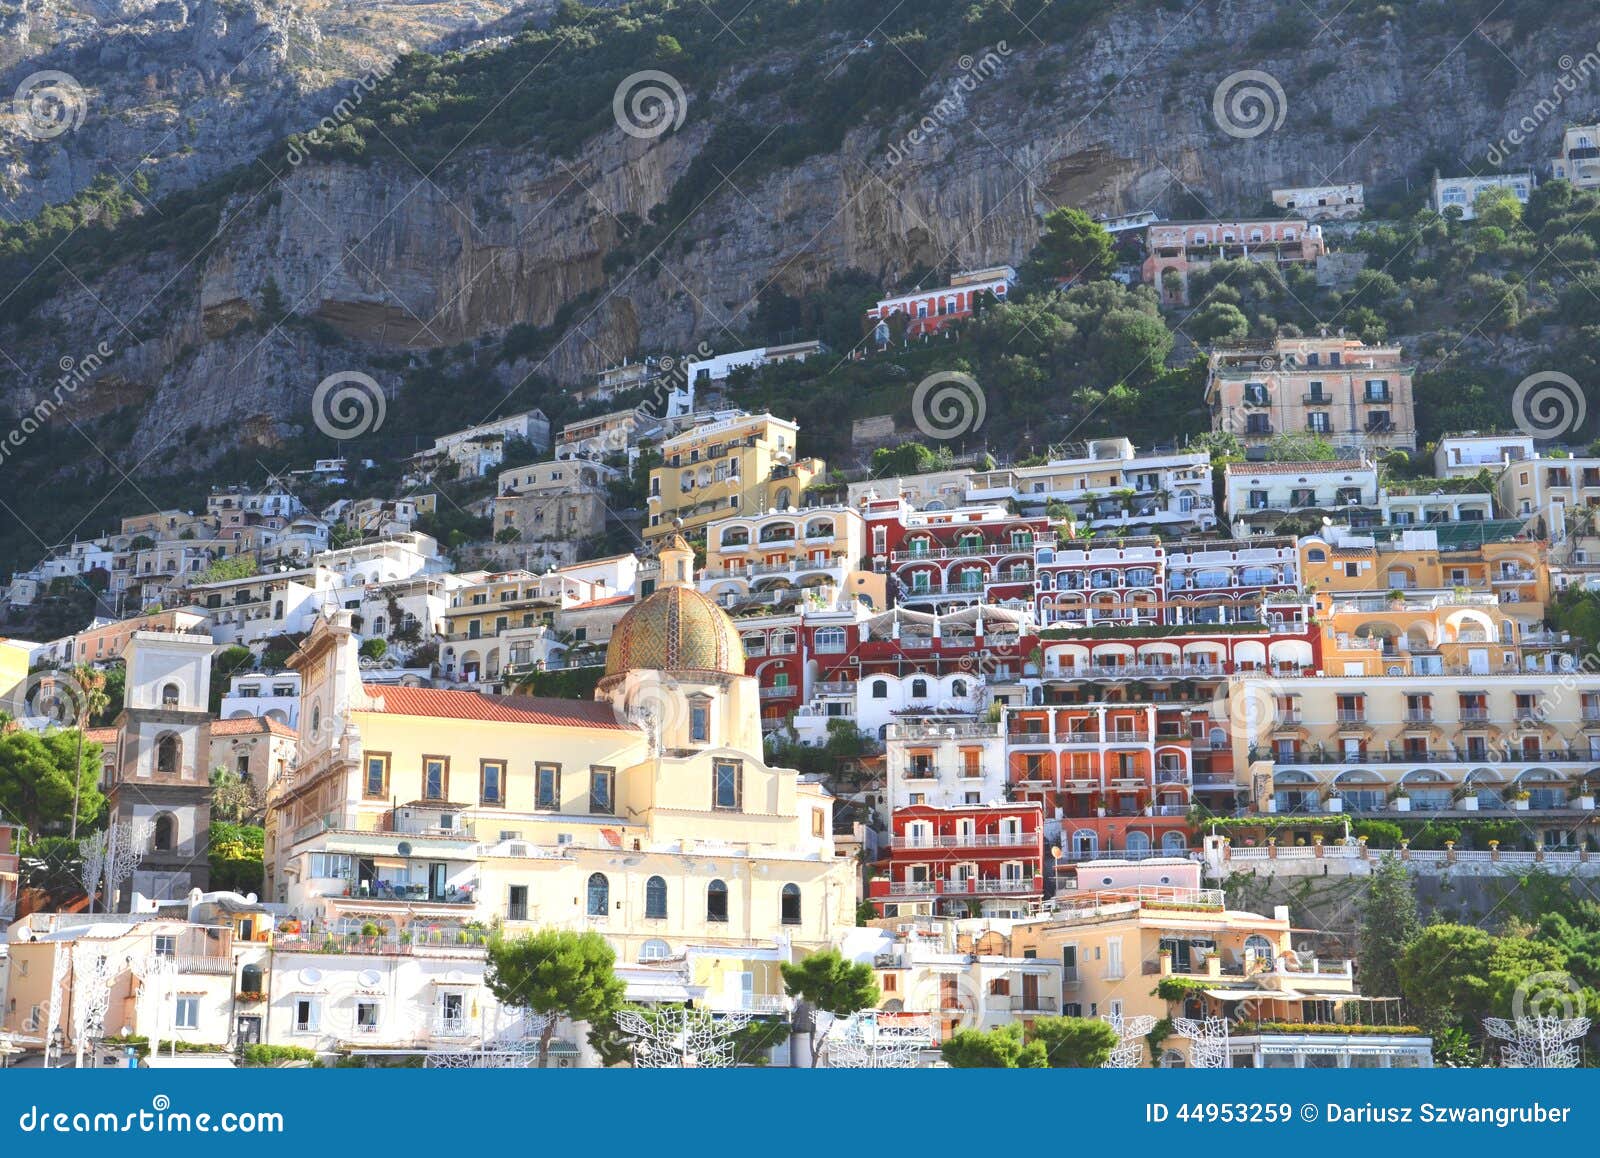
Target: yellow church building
(648, 815)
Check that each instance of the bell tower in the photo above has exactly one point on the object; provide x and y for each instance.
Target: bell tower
(161, 785)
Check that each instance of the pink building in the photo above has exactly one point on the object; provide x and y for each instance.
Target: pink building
(1186, 246)
(929, 310)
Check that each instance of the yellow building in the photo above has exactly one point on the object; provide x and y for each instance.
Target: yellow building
(1510, 572)
(13, 675)
(736, 465)
(648, 815)
(1146, 949)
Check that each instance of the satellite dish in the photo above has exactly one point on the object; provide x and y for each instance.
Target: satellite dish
(404, 848)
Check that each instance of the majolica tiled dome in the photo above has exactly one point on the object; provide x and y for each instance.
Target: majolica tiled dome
(676, 628)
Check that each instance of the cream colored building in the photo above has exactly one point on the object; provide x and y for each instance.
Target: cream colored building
(1579, 160)
(1558, 497)
(648, 815)
(1357, 397)
(742, 464)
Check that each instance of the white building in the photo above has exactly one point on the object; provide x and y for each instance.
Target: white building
(479, 449)
(1260, 493)
(1109, 484)
(1462, 192)
(1405, 510)
(1322, 202)
(703, 372)
(275, 696)
(1469, 453)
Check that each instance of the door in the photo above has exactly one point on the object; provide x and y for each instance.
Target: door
(436, 880)
(1478, 661)
(1030, 991)
(249, 1032)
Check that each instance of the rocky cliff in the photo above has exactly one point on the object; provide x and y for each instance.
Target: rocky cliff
(381, 260)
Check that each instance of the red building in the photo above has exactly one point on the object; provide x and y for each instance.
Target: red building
(927, 311)
(946, 860)
(944, 559)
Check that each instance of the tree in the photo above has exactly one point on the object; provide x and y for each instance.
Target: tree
(226, 664)
(1218, 322)
(1082, 1043)
(234, 798)
(1444, 975)
(236, 856)
(1073, 246)
(41, 774)
(995, 1049)
(828, 982)
(1131, 345)
(92, 690)
(908, 458)
(556, 973)
(374, 648)
(234, 567)
(1295, 446)
(1389, 925)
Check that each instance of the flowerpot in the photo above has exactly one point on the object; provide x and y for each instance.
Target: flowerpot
(1586, 803)
(1402, 804)
(1272, 805)
(1335, 804)
(1519, 805)
(1469, 804)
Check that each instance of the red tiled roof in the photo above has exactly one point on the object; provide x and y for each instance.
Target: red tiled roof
(1343, 464)
(246, 725)
(610, 601)
(100, 735)
(404, 701)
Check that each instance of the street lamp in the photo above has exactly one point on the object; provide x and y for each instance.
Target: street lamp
(53, 1047)
(1055, 855)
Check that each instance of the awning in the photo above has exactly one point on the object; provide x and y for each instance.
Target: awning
(1232, 994)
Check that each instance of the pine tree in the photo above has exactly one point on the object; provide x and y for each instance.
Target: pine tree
(1389, 925)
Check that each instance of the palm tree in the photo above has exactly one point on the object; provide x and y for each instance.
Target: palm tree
(91, 683)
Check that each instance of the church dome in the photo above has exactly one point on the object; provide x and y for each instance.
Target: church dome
(675, 629)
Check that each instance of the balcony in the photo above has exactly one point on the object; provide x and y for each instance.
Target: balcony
(1018, 839)
(1419, 715)
(193, 964)
(836, 688)
(1028, 1003)
(952, 729)
(779, 693)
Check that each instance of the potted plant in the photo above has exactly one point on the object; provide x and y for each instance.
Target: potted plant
(1399, 798)
(1335, 802)
(1465, 797)
(1519, 800)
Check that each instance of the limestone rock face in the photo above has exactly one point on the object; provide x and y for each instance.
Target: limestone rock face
(397, 263)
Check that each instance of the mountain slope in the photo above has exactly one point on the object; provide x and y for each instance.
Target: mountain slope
(489, 198)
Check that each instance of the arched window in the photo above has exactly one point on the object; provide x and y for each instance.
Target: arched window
(919, 689)
(165, 836)
(958, 688)
(169, 695)
(880, 689)
(717, 902)
(655, 899)
(1173, 842)
(167, 753)
(791, 904)
(1258, 952)
(599, 895)
(655, 949)
(1138, 842)
(1316, 555)
(831, 640)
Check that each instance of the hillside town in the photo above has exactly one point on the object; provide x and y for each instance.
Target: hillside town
(941, 756)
